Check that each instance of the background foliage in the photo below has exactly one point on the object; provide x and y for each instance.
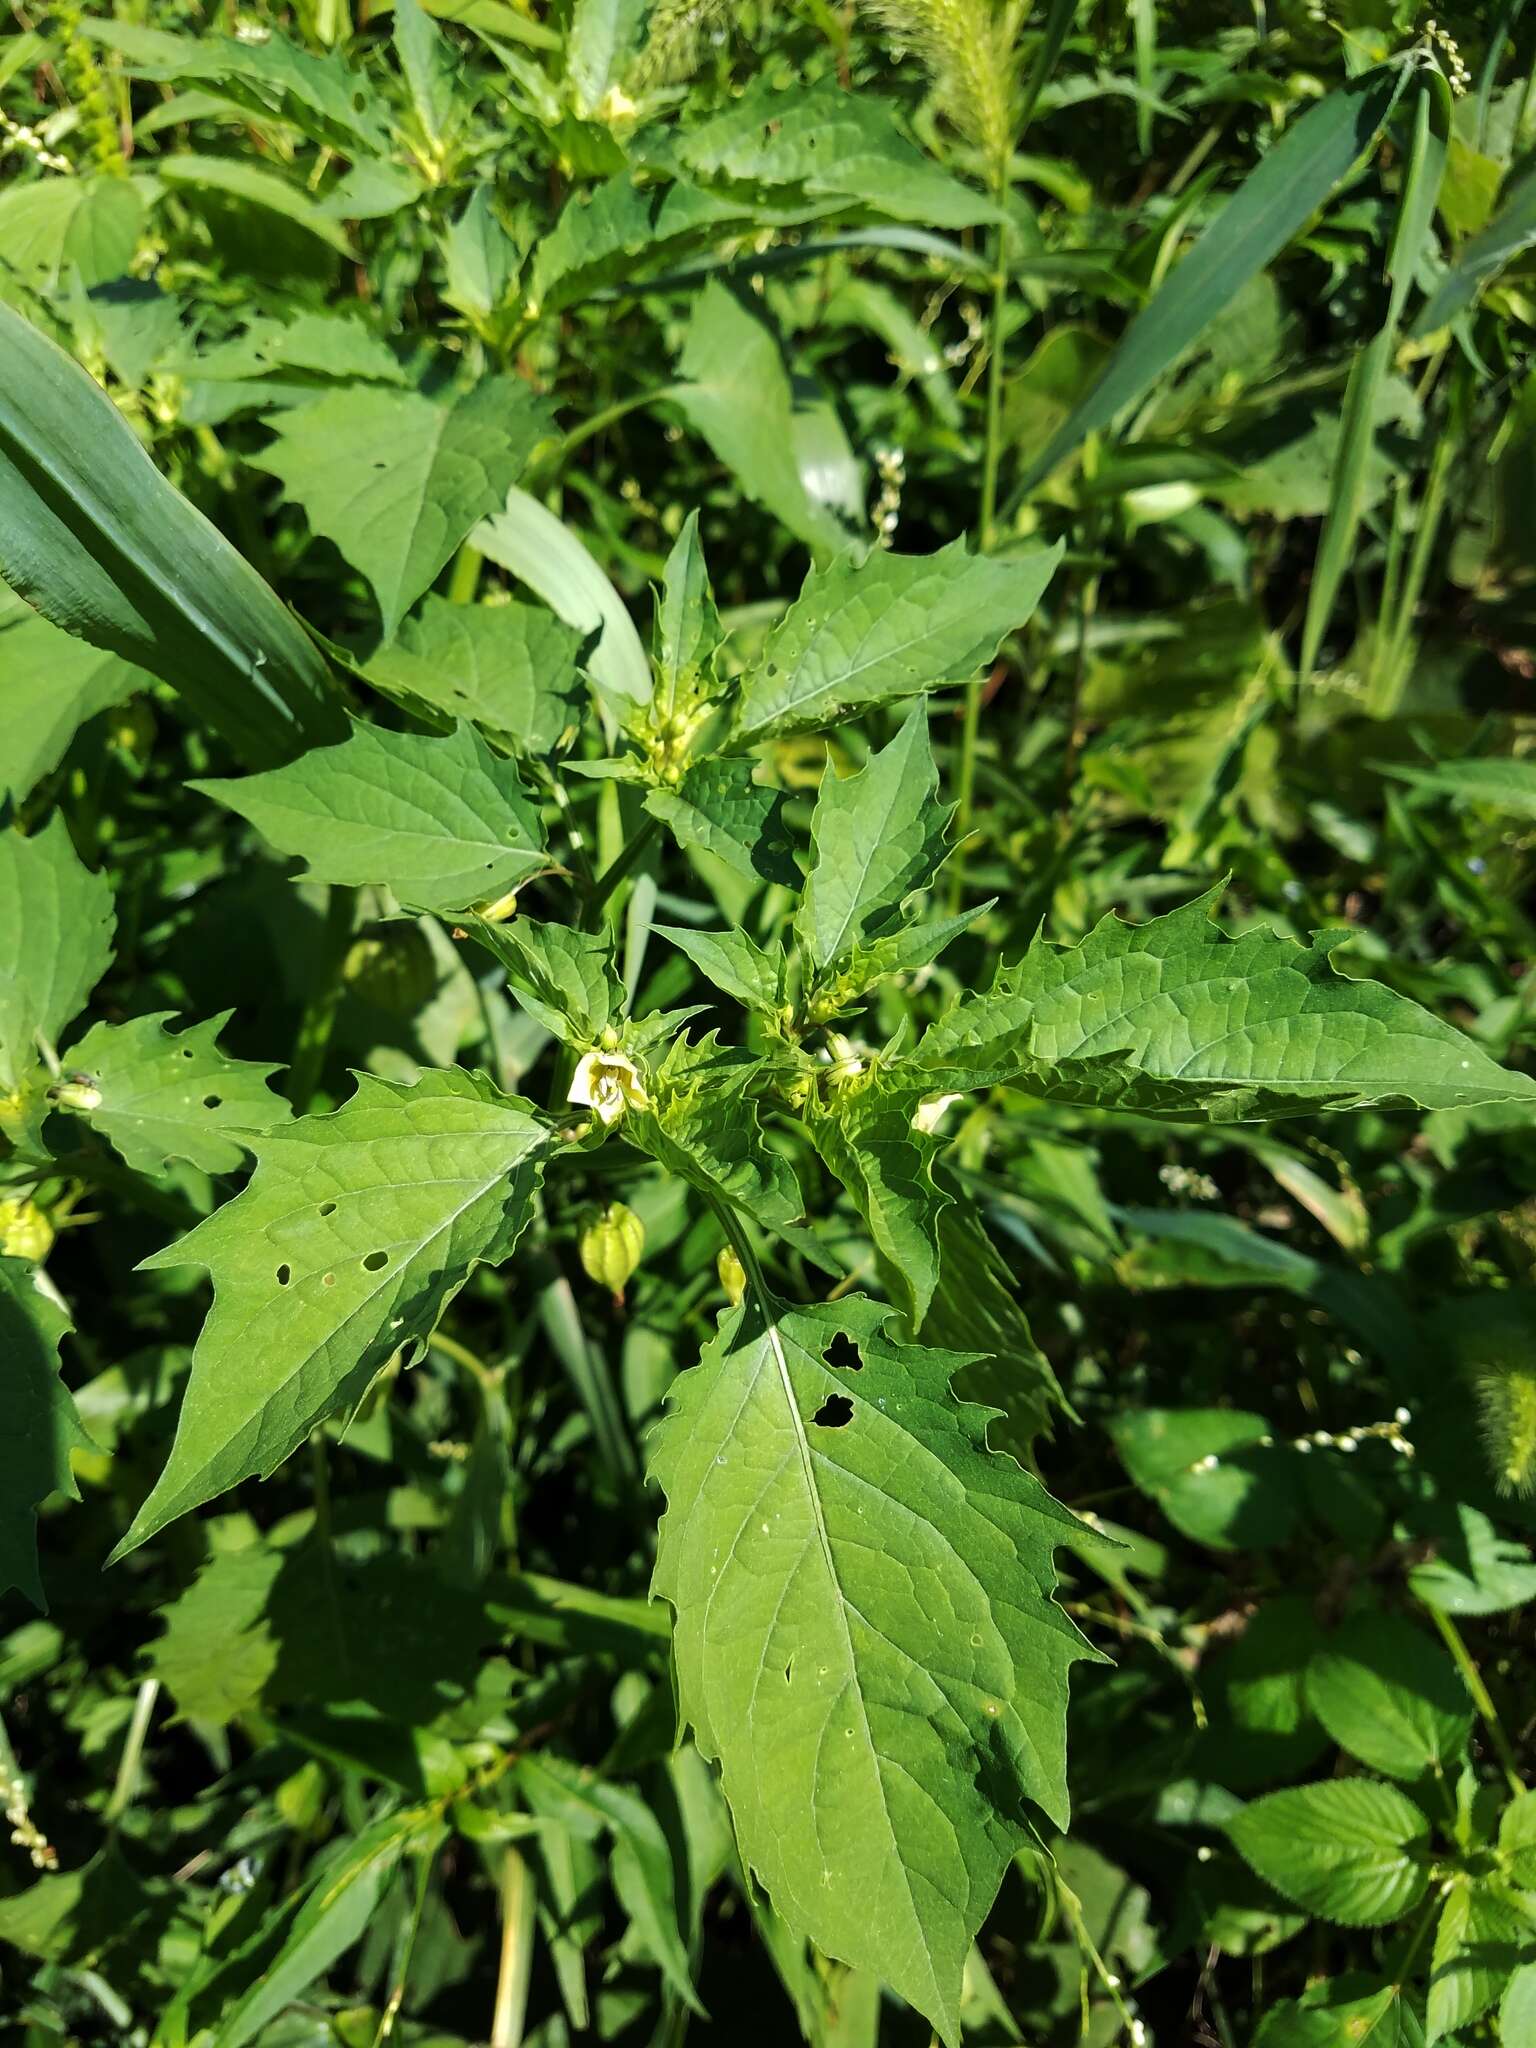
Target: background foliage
(450, 322)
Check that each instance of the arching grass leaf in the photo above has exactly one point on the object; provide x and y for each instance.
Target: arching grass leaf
(96, 539)
(1273, 204)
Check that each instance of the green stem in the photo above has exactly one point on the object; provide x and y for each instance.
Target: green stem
(465, 577)
(320, 1479)
(320, 1012)
(396, 1998)
(609, 416)
(125, 1789)
(621, 866)
(516, 1952)
(986, 534)
(1386, 682)
(1482, 1699)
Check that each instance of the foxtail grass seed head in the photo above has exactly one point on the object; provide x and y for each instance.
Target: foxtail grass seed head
(1506, 1401)
(967, 49)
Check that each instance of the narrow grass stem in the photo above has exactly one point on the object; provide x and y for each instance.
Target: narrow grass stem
(320, 1012)
(986, 532)
(516, 1952)
(1482, 1699)
(126, 1786)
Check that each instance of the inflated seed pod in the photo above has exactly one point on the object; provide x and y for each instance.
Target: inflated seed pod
(611, 1247)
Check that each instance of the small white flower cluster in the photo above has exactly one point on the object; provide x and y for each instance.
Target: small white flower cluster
(959, 352)
(29, 142)
(1183, 1180)
(891, 463)
(25, 1832)
(1456, 71)
(1390, 1432)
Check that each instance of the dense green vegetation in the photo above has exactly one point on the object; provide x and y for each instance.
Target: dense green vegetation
(767, 1184)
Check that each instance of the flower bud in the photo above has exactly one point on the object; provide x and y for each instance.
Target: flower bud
(611, 1247)
(25, 1231)
(733, 1276)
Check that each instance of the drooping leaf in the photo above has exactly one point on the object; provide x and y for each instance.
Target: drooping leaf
(1503, 785)
(1507, 235)
(56, 926)
(511, 669)
(976, 1308)
(321, 94)
(53, 228)
(50, 684)
(251, 185)
(445, 823)
(96, 539)
(40, 1422)
(866, 1137)
(875, 838)
(721, 807)
(527, 539)
(397, 480)
(737, 394)
(603, 237)
(1350, 1850)
(641, 1862)
(1390, 1696)
(564, 978)
(869, 632)
(864, 1632)
(1174, 1018)
(830, 143)
(354, 1233)
(164, 1095)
